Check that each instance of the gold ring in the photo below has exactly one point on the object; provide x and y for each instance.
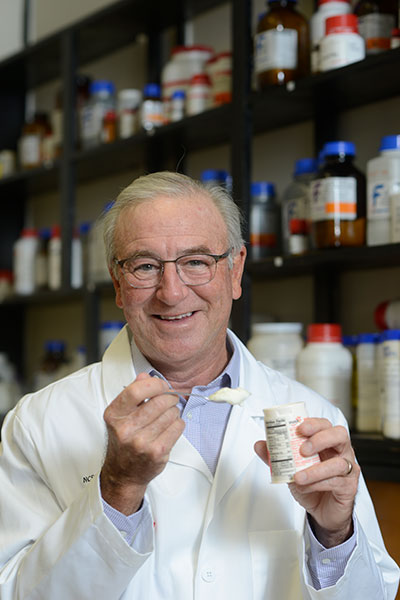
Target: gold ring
(349, 466)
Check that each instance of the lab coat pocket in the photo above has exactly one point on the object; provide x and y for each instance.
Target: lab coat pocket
(275, 564)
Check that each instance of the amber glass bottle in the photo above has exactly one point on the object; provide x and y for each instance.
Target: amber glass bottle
(376, 20)
(338, 199)
(282, 44)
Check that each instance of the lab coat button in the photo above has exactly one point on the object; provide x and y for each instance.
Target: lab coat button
(208, 575)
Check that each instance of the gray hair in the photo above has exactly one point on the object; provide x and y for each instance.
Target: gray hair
(171, 185)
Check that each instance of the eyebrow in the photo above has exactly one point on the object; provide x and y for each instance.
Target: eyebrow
(192, 250)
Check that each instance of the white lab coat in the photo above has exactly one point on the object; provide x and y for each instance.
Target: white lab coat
(233, 536)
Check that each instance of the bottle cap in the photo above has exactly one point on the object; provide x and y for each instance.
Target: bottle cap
(350, 340)
(298, 226)
(56, 231)
(368, 338)
(196, 48)
(263, 188)
(28, 232)
(324, 332)
(390, 334)
(102, 86)
(327, 1)
(390, 142)
(178, 94)
(379, 315)
(152, 90)
(277, 327)
(333, 148)
(305, 165)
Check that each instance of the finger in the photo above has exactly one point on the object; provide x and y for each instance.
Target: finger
(261, 450)
(334, 438)
(312, 425)
(135, 394)
(327, 474)
(160, 450)
(159, 425)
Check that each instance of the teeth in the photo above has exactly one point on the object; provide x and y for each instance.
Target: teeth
(176, 318)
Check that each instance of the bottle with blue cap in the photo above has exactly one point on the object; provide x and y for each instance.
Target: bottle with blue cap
(383, 183)
(338, 199)
(264, 220)
(368, 415)
(296, 206)
(152, 112)
(217, 177)
(101, 101)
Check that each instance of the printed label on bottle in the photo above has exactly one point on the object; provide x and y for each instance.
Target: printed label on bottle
(334, 198)
(378, 205)
(275, 49)
(376, 29)
(338, 50)
(394, 201)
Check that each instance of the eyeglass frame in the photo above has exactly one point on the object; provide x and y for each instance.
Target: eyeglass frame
(216, 257)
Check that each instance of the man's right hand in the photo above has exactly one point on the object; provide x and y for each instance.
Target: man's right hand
(140, 438)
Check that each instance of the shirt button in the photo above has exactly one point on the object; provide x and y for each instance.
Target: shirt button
(189, 416)
(326, 561)
(208, 575)
(124, 534)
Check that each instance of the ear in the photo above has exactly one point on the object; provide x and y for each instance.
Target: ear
(117, 288)
(237, 272)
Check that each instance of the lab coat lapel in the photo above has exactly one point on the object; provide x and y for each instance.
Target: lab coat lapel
(183, 453)
(117, 366)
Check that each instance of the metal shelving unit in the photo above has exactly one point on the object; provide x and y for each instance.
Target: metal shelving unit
(59, 57)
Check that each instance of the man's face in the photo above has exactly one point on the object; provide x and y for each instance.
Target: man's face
(173, 324)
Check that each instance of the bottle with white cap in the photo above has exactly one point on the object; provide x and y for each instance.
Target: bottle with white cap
(325, 365)
(383, 180)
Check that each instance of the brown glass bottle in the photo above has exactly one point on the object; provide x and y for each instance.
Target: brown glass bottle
(338, 199)
(282, 45)
(376, 19)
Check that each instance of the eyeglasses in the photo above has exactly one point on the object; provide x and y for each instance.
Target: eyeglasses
(192, 269)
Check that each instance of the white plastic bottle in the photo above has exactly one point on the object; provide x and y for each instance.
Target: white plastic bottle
(54, 263)
(76, 261)
(325, 365)
(368, 415)
(326, 8)
(98, 269)
(24, 256)
(390, 365)
(296, 207)
(102, 100)
(383, 179)
(342, 44)
(277, 345)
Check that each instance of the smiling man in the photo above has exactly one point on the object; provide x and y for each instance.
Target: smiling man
(112, 487)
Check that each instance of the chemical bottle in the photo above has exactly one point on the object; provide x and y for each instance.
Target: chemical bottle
(264, 220)
(342, 44)
(152, 112)
(42, 259)
(368, 415)
(338, 211)
(383, 180)
(376, 19)
(325, 365)
(101, 101)
(282, 44)
(217, 177)
(326, 8)
(199, 94)
(129, 101)
(387, 314)
(350, 342)
(108, 331)
(76, 260)
(177, 106)
(296, 207)
(24, 257)
(277, 345)
(390, 382)
(98, 268)
(55, 246)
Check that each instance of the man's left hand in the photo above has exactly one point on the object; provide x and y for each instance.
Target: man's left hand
(326, 490)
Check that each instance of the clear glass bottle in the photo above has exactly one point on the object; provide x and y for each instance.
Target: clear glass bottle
(152, 111)
(102, 100)
(296, 207)
(338, 199)
(282, 44)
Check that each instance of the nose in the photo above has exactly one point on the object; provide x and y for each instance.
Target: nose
(171, 289)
